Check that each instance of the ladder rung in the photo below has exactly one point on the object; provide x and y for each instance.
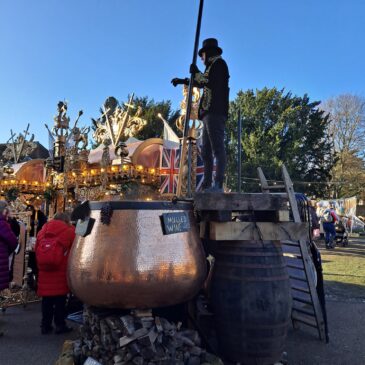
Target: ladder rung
(270, 187)
(297, 278)
(308, 321)
(292, 250)
(287, 243)
(304, 301)
(296, 271)
(303, 290)
(304, 311)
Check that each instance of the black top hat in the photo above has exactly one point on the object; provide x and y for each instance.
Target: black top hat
(210, 43)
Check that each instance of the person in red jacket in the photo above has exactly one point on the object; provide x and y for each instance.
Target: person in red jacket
(52, 285)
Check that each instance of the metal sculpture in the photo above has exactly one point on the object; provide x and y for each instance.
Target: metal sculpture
(117, 124)
(69, 154)
(17, 149)
(113, 127)
(80, 136)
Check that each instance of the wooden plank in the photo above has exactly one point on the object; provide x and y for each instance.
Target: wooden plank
(301, 288)
(240, 201)
(294, 262)
(247, 231)
(301, 317)
(298, 274)
(291, 243)
(303, 308)
(291, 250)
(301, 296)
(264, 184)
(216, 215)
(299, 285)
(203, 229)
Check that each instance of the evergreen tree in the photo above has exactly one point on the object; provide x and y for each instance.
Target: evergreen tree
(278, 128)
(150, 111)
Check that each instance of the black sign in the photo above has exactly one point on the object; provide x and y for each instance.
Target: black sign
(175, 222)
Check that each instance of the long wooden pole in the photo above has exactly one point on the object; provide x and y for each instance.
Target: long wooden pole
(189, 102)
(239, 167)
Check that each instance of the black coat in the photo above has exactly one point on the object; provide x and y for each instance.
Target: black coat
(214, 82)
(14, 225)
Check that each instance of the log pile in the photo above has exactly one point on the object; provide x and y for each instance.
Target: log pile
(139, 339)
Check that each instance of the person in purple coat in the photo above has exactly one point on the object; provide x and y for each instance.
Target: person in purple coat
(8, 243)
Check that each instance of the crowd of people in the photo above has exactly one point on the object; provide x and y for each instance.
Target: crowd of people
(335, 227)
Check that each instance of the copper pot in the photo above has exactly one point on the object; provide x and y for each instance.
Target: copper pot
(131, 263)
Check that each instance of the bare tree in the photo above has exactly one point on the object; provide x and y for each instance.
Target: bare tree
(347, 127)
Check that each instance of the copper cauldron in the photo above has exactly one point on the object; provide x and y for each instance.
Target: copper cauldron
(131, 263)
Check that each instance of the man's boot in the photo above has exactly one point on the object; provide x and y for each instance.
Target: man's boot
(216, 188)
(205, 186)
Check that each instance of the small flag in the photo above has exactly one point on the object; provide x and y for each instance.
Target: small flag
(170, 139)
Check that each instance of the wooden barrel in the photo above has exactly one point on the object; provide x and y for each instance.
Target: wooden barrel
(251, 301)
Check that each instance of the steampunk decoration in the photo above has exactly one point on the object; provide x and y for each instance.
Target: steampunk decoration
(114, 126)
(117, 124)
(19, 148)
(69, 154)
(60, 136)
(188, 162)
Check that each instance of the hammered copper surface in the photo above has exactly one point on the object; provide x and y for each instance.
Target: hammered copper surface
(131, 264)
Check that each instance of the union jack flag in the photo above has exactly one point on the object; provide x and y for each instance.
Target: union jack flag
(169, 170)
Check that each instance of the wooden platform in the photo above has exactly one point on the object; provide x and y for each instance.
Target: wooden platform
(245, 207)
(250, 218)
(240, 201)
(254, 231)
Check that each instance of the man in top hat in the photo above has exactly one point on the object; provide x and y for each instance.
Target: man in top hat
(213, 110)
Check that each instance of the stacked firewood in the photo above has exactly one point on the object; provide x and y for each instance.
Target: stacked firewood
(138, 339)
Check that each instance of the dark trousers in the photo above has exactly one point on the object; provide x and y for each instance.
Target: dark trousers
(330, 232)
(53, 309)
(213, 147)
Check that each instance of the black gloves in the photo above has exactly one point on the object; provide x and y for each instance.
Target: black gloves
(194, 69)
(176, 81)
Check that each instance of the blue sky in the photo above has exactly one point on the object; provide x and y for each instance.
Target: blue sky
(85, 50)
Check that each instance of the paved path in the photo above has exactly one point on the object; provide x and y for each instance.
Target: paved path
(346, 315)
(23, 343)
(347, 338)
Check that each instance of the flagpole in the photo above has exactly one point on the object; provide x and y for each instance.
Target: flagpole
(189, 103)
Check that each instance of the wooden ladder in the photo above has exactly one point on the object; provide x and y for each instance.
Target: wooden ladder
(306, 307)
